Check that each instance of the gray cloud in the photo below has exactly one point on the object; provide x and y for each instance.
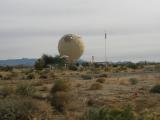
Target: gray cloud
(129, 24)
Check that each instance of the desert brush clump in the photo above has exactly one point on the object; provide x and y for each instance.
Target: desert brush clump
(101, 80)
(87, 76)
(109, 114)
(59, 95)
(96, 86)
(126, 113)
(25, 89)
(6, 91)
(155, 89)
(59, 101)
(105, 75)
(30, 76)
(23, 109)
(133, 81)
(60, 85)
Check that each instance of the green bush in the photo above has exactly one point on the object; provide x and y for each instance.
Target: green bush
(155, 89)
(25, 89)
(21, 109)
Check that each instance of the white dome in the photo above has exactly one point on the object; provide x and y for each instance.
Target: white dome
(72, 46)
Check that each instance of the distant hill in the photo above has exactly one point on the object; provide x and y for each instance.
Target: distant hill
(13, 62)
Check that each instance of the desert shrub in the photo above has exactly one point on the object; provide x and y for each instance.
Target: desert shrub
(22, 109)
(73, 67)
(101, 80)
(87, 77)
(131, 65)
(109, 114)
(155, 89)
(59, 95)
(59, 100)
(43, 77)
(6, 91)
(7, 68)
(148, 115)
(7, 77)
(133, 81)
(52, 75)
(157, 67)
(103, 75)
(60, 85)
(25, 89)
(1, 77)
(30, 76)
(96, 86)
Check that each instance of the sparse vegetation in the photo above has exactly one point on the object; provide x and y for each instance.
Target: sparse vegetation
(59, 100)
(101, 80)
(87, 77)
(30, 76)
(73, 67)
(109, 114)
(133, 81)
(118, 114)
(103, 75)
(70, 93)
(155, 89)
(60, 86)
(25, 89)
(6, 91)
(59, 95)
(22, 109)
(96, 86)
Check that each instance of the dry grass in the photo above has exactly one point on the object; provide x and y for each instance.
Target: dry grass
(101, 80)
(72, 95)
(96, 86)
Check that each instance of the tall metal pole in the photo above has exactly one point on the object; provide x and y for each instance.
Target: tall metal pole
(105, 51)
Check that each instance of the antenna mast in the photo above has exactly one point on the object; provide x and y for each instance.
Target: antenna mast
(105, 51)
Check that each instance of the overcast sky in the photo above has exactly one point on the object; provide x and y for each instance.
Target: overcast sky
(29, 28)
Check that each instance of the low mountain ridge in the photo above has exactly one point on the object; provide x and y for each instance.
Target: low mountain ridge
(13, 62)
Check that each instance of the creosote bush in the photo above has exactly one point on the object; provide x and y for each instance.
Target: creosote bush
(59, 100)
(25, 89)
(60, 85)
(59, 95)
(155, 89)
